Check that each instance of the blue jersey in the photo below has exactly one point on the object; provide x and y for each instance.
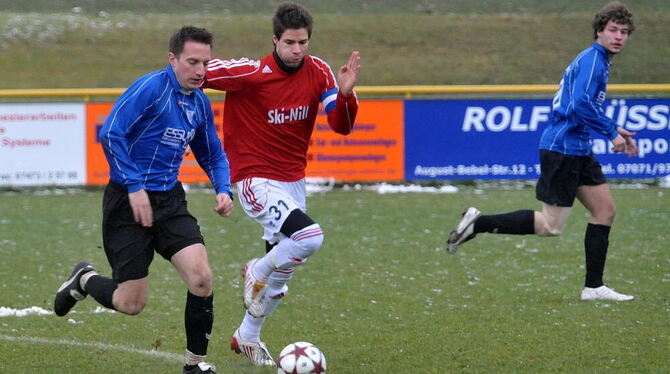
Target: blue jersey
(577, 106)
(149, 128)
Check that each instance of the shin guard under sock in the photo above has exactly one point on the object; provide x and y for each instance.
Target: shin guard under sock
(596, 241)
(102, 290)
(198, 321)
(520, 222)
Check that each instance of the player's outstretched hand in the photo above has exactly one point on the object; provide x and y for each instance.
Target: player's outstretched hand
(348, 74)
(224, 205)
(624, 143)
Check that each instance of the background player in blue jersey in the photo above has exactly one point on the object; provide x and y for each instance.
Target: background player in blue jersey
(144, 207)
(568, 168)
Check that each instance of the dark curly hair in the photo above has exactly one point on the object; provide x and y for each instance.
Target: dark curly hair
(613, 11)
(291, 16)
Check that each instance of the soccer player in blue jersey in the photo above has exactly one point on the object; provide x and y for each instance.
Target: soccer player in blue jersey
(568, 168)
(144, 208)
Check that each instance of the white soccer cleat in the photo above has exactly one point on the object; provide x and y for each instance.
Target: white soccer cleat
(254, 290)
(464, 231)
(256, 352)
(604, 293)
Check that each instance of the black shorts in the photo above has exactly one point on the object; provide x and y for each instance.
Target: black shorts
(562, 174)
(129, 246)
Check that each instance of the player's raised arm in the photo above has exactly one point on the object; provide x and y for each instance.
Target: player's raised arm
(348, 74)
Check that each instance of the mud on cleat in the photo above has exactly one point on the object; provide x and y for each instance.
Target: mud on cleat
(464, 231)
(256, 352)
(254, 290)
(70, 291)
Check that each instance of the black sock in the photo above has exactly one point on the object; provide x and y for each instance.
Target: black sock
(198, 321)
(596, 241)
(520, 222)
(102, 290)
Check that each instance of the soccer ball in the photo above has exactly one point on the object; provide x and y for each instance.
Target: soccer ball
(301, 358)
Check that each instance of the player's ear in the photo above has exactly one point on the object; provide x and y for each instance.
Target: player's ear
(172, 59)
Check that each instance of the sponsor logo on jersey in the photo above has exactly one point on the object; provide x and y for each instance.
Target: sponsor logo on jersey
(600, 99)
(177, 137)
(189, 115)
(283, 115)
(266, 69)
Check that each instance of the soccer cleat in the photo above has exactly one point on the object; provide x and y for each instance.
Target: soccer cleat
(254, 290)
(464, 231)
(70, 291)
(256, 352)
(201, 367)
(604, 293)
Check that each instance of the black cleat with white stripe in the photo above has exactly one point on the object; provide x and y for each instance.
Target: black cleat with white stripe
(202, 367)
(70, 291)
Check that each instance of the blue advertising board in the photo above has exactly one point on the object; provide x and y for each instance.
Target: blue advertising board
(498, 139)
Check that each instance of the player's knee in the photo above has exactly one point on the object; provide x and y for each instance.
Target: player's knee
(604, 215)
(200, 282)
(549, 229)
(309, 240)
(549, 226)
(131, 306)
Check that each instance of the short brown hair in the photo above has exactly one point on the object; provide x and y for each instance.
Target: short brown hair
(291, 16)
(187, 33)
(613, 11)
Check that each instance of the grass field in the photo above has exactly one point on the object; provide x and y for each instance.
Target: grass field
(460, 42)
(381, 297)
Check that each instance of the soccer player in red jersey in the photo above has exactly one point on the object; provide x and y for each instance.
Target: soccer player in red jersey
(270, 111)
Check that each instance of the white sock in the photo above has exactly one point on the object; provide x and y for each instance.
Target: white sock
(250, 328)
(263, 268)
(289, 253)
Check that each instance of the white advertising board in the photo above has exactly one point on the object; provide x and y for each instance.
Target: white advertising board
(42, 144)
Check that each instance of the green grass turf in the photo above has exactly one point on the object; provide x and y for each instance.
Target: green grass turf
(382, 296)
(63, 50)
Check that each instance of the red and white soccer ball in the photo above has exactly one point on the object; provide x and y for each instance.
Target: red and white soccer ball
(301, 358)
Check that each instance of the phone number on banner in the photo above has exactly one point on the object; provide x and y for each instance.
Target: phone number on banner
(638, 168)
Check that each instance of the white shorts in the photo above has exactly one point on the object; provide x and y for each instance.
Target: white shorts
(269, 202)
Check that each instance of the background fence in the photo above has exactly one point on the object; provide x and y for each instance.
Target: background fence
(402, 133)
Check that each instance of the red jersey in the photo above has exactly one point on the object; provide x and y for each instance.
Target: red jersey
(269, 114)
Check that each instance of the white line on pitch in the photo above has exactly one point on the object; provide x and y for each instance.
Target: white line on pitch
(111, 347)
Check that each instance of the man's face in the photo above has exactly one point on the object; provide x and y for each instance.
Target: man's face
(292, 46)
(613, 37)
(191, 65)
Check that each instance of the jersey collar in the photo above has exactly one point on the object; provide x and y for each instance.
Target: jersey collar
(282, 65)
(603, 52)
(174, 82)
